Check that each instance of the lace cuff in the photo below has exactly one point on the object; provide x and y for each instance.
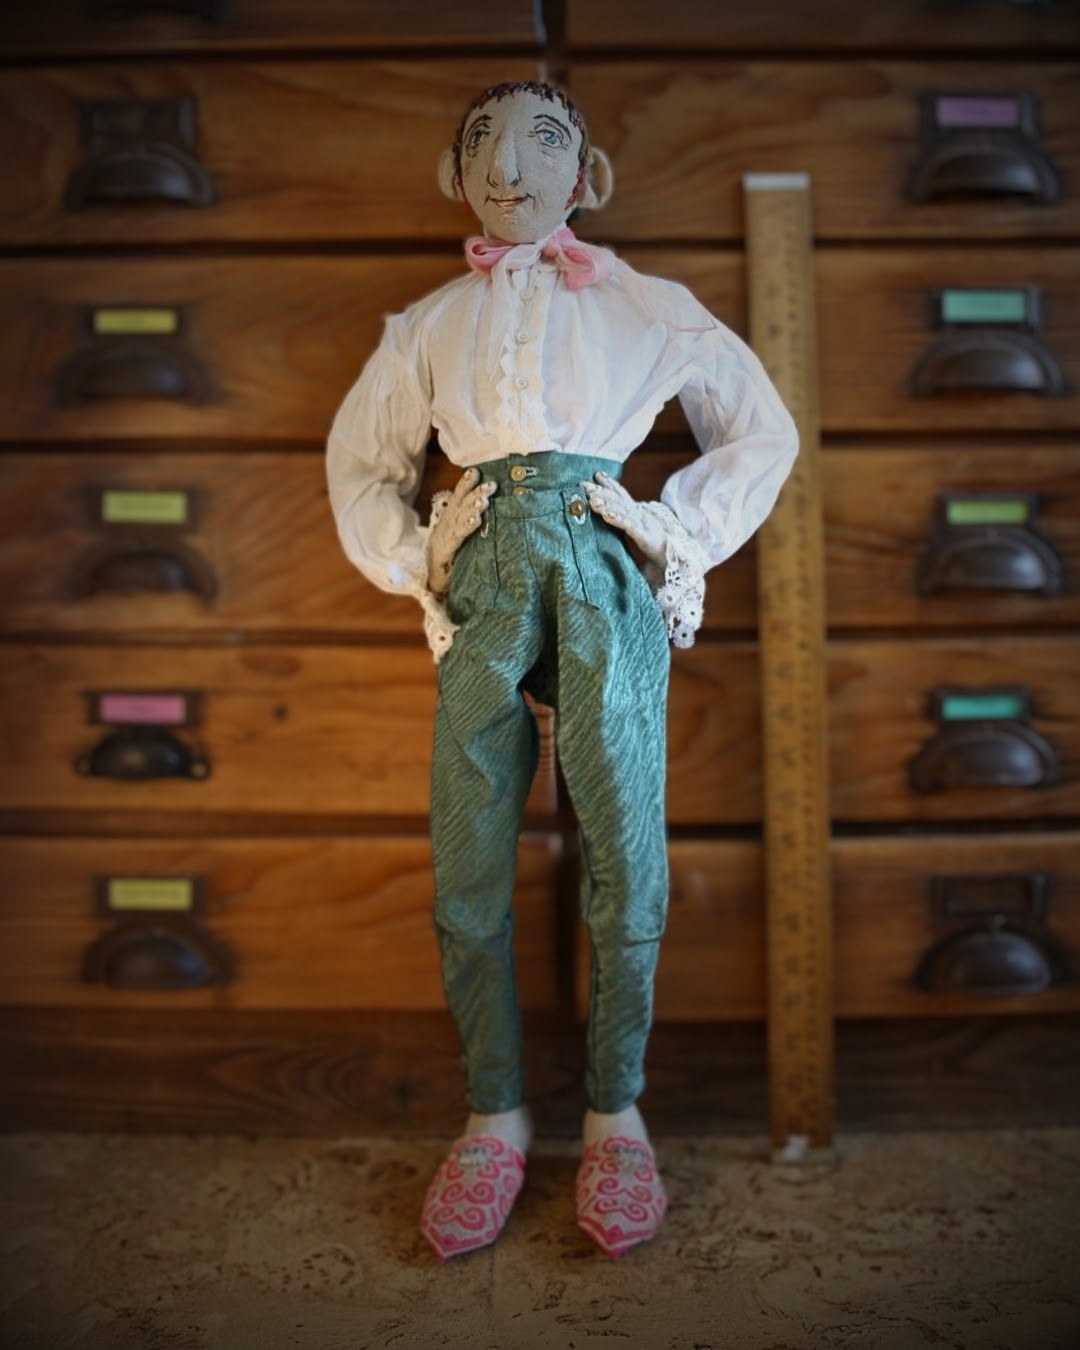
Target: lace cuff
(679, 585)
(439, 628)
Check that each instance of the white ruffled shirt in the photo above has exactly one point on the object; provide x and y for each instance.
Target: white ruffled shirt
(514, 362)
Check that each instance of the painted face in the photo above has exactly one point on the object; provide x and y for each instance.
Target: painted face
(519, 166)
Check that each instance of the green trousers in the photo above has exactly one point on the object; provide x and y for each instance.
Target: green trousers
(551, 602)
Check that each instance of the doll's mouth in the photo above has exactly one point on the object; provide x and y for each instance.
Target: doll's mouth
(509, 201)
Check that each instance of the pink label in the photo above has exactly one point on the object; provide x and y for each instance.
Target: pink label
(962, 111)
(156, 708)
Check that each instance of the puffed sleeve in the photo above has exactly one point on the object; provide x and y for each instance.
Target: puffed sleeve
(375, 459)
(748, 442)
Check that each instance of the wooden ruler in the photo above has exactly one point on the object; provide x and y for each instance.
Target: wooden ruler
(791, 612)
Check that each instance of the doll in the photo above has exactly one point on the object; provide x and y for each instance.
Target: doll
(542, 368)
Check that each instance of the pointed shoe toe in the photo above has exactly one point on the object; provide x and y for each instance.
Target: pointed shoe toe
(620, 1198)
(471, 1195)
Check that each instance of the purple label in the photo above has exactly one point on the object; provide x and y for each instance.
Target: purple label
(155, 708)
(960, 110)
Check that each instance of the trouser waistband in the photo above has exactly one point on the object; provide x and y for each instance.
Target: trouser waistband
(545, 470)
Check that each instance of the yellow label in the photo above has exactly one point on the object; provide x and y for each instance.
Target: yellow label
(144, 508)
(151, 893)
(141, 320)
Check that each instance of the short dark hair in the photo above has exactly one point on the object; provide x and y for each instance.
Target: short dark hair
(506, 90)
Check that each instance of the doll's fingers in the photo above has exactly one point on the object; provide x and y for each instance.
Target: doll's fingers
(464, 485)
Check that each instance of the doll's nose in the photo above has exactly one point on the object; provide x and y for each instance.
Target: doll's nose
(503, 169)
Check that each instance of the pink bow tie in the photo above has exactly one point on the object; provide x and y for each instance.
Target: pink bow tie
(580, 264)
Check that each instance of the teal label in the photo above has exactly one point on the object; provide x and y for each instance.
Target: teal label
(979, 512)
(971, 306)
(965, 707)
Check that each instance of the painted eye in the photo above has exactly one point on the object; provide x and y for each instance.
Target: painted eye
(474, 138)
(548, 136)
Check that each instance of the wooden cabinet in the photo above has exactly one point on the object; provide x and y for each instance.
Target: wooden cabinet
(315, 923)
(208, 211)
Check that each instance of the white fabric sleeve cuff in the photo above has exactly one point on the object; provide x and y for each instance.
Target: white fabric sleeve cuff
(679, 585)
(439, 628)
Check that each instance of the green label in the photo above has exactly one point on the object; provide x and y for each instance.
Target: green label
(977, 512)
(968, 306)
(151, 893)
(144, 508)
(964, 707)
(136, 320)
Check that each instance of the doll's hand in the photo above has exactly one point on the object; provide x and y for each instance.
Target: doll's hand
(675, 565)
(454, 516)
(610, 500)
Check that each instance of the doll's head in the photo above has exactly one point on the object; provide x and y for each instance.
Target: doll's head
(522, 160)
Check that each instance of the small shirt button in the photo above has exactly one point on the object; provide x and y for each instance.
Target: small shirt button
(518, 492)
(528, 293)
(521, 336)
(522, 381)
(519, 472)
(577, 508)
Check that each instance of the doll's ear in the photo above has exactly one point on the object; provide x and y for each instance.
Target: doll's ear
(449, 183)
(599, 181)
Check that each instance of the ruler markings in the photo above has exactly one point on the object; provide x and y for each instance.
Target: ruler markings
(791, 612)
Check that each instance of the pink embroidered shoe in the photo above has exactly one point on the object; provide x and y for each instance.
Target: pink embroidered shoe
(620, 1197)
(471, 1195)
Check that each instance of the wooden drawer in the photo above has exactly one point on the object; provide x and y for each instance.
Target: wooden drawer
(888, 926)
(257, 553)
(359, 719)
(793, 26)
(298, 731)
(948, 537)
(242, 152)
(81, 28)
(304, 923)
(886, 735)
(260, 554)
(878, 326)
(923, 537)
(682, 136)
(881, 719)
(267, 348)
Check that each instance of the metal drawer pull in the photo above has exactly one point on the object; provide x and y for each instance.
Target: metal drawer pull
(154, 954)
(133, 351)
(987, 360)
(1009, 950)
(104, 11)
(970, 168)
(987, 541)
(138, 752)
(987, 342)
(140, 150)
(992, 958)
(126, 567)
(983, 741)
(979, 145)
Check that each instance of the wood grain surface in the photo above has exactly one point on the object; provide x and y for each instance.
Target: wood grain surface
(681, 136)
(712, 956)
(263, 526)
(792, 26)
(75, 29)
(310, 731)
(295, 151)
(309, 923)
(281, 340)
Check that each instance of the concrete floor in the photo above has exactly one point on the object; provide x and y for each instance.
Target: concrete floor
(965, 1241)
